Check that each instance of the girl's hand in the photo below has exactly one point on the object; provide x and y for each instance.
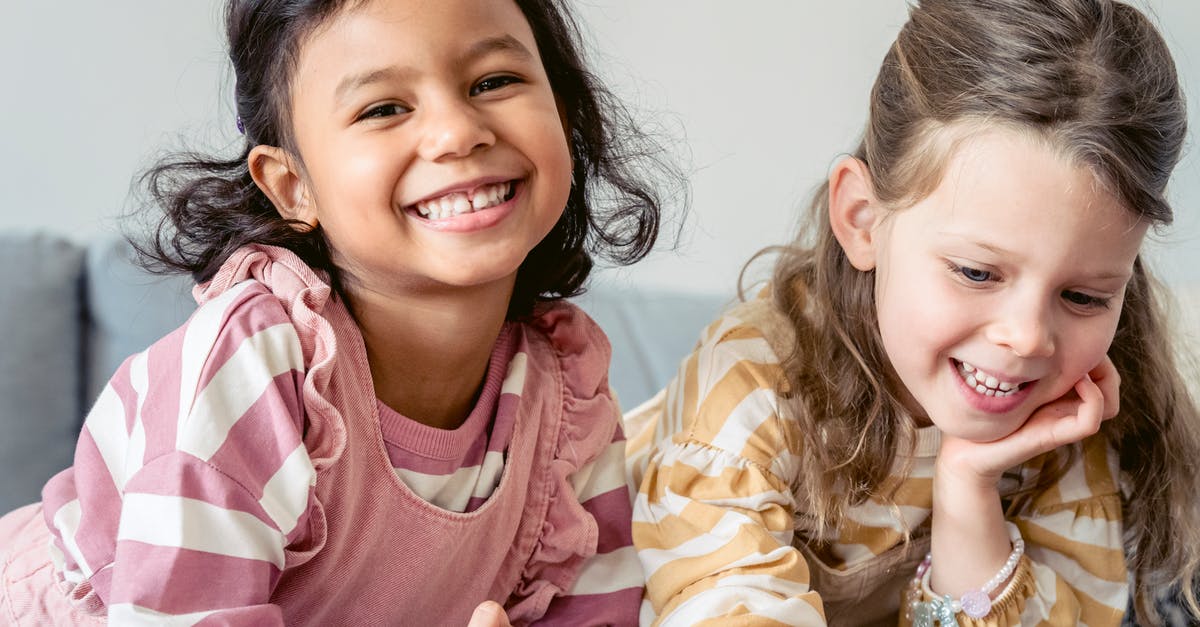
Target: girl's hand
(489, 614)
(1071, 418)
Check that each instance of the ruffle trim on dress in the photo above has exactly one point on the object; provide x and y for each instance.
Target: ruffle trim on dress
(590, 416)
(305, 297)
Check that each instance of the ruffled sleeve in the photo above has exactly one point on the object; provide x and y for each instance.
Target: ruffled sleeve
(305, 297)
(307, 300)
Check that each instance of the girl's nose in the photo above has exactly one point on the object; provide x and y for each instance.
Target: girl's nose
(453, 130)
(1026, 329)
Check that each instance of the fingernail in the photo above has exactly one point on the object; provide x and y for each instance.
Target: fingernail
(483, 612)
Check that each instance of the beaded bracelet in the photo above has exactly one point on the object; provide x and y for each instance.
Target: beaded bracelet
(974, 603)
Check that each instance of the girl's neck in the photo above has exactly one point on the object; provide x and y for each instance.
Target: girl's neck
(429, 353)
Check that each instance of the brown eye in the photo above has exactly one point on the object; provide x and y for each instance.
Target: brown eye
(492, 83)
(384, 111)
(1084, 300)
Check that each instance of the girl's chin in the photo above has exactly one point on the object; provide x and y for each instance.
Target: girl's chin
(983, 434)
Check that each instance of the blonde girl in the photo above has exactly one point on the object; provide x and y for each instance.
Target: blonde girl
(957, 402)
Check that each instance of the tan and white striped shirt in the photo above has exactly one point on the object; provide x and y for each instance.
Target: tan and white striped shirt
(714, 455)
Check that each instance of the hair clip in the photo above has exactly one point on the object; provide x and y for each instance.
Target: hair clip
(241, 127)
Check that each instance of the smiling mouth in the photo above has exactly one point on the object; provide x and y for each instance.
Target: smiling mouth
(459, 203)
(987, 384)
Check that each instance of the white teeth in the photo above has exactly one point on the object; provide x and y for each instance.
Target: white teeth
(985, 383)
(458, 203)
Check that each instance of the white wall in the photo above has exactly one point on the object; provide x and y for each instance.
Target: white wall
(91, 90)
(768, 92)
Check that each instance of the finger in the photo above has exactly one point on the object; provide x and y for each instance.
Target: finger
(489, 614)
(1106, 377)
(1091, 398)
(1071, 418)
(1089, 412)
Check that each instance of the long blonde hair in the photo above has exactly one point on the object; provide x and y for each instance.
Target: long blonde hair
(1096, 80)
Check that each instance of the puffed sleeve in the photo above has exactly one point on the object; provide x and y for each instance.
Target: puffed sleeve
(191, 476)
(713, 518)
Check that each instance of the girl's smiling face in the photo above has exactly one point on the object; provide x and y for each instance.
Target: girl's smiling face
(1001, 289)
(434, 154)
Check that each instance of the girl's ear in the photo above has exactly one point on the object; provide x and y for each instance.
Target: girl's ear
(854, 211)
(276, 174)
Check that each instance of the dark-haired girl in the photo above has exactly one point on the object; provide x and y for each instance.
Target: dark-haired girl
(381, 413)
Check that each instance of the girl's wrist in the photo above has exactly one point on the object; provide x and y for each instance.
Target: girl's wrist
(967, 514)
(961, 479)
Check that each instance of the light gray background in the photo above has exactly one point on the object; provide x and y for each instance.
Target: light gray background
(762, 95)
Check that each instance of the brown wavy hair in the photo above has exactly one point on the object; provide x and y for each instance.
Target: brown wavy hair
(211, 206)
(1095, 80)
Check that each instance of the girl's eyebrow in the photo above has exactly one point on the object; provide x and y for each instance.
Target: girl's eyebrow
(362, 79)
(504, 43)
(992, 248)
(1101, 275)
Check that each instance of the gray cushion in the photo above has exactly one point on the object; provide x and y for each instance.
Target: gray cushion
(130, 309)
(40, 384)
(650, 332)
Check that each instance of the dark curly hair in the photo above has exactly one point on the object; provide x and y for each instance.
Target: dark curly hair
(213, 207)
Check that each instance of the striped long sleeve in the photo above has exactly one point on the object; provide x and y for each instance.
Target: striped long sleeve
(713, 519)
(715, 456)
(190, 476)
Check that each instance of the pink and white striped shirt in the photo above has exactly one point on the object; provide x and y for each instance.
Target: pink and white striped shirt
(240, 471)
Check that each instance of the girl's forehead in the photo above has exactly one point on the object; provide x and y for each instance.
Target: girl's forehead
(407, 38)
(422, 20)
(1013, 193)
(970, 152)
(1006, 170)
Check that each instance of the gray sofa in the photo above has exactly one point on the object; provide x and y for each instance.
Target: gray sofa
(73, 313)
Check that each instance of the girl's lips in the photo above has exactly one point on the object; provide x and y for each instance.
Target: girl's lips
(475, 220)
(990, 404)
